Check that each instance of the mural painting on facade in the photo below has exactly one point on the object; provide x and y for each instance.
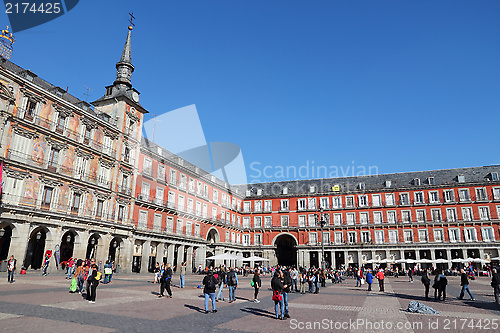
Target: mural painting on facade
(74, 123)
(98, 137)
(62, 204)
(69, 161)
(113, 199)
(39, 149)
(94, 164)
(89, 203)
(31, 191)
(46, 115)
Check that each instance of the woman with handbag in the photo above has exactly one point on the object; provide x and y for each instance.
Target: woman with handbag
(277, 285)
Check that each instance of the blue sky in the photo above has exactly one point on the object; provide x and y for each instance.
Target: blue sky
(400, 85)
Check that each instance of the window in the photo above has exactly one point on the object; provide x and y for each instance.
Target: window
(451, 214)
(461, 178)
(173, 177)
(247, 206)
(159, 196)
(349, 201)
(257, 222)
(365, 237)
(47, 196)
(436, 215)
(191, 185)
(60, 124)
(189, 228)
(312, 220)
(470, 235)
(363, 218)
(377, 217)
(199, 189)
(496, 193)
(268, 221)
(350, 219)
(391, 217)
(484, 213)
(339, 239)
(481, 194)
(147, 168)
(313, 238)
(487, 234)
(463, 194)
(301, 204)
(361, 186)
(438, 235)
(259, 191)
(387, 183)
(408, 236)
(302, 221)
(337, 219)
(377, 202)
(434, 197)
(494, 176)
(337, 202)
(75, 205)
(284, 205)
(420, 215)
(379, 236)
(145, 190)
(430, 181)
(227, 236)
(467, 214)
(86, 140)
(246, 222)
(454, 234)
(406, 216)
(419, 197)
(190, 206)
(363, 201)
(30, 109)
(284, 220)
(324, 203)
(311, 203)
(423, 236)
(404, 199)
(161, 172)
(214, 213)
(351, 237)
(257, 239)
(182, 205)
(53, 159)
(393, 236)
(268, 206)
(179, 229)
(285, 190)
(170, 224)
(389, 199)
(143, 219)
(157, 222)
(258, 206)
(246, 239)
(215, 197)
(171, 199)
(416, 182)
(449, 196)
(197, 230)
(121, 212)
(312, 188)
(100, 204)
(204, 212)
(326, 238)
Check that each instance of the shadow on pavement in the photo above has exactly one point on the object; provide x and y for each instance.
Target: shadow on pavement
(258, 312)
(195, 308)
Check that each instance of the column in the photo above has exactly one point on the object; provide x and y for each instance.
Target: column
(170, 254)
(160, 250)
(126, 249)
(334, 259)
(190, 259)
(481, 253)
(448, 257)
(50, 244)
(180, 256)
(433, 257)
(346, 259)
(146, 250)
(19, 243)
(360, 258)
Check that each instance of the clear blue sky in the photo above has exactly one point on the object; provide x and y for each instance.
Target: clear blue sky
(401, 85)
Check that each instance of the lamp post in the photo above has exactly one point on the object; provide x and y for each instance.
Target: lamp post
(322, 219)
(2, 232)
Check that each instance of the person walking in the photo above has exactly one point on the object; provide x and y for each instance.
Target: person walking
(210, 284)
(232, 283)
(369, 280)
(464, 282)
(70, 264)
(442, 282)
(410, 275)
(359, 276)
(380, 276)
(79, 275)
(93, 281)
(11, 269)
(495, 284)
(221, 279)
(182, 270)
(287, 281)
(108, 270)
(156, 272)
(46, 262)
(257, 283)
(166, 280)
(277, 286)
(426, 281)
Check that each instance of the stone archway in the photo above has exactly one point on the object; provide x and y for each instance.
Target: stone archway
(5, 239)
(213, 236)
(36, 248)
(67, 245)
(92, 246)
(286, 250)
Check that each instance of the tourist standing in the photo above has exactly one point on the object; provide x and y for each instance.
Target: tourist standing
(426, 281)
(46, 264)
(165, 281)
(156, 272)
(442, 281)
(221, 279)
(303, 281)
(380, 276)
(70, 265)
(257, 283)
(210, 284)
(93, 281)
(277, 285)
(495, 283)
(11, 268)
(359, 276)
(295, 276)
(410, 275)
(79, 275)
(182, 271)
(369, 280)
(232, 283)
(108, 270)
(287, 281)
(464, 282)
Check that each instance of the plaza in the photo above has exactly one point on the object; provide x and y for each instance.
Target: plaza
(130, 304)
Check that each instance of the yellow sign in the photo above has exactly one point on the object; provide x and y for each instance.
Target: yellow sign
(336, 188)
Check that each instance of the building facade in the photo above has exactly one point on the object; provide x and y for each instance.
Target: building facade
(80, 180)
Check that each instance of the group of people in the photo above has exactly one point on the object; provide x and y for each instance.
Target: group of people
(87, 272)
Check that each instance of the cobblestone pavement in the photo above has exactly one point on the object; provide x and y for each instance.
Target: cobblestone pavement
(130, 304)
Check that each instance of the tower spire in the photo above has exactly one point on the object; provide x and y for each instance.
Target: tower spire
(124, 67)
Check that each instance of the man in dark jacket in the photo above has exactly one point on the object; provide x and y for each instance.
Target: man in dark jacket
(464, 282)
(277, 285)
(287, 281)
(210, 283)
(165, 280)
(495, 283)
(257, 283)
(426, 281)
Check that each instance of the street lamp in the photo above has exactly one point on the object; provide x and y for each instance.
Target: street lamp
(39, 235)
(2, 232)
(68, 238)
(322, 219)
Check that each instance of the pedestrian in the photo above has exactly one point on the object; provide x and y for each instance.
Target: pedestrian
(464, 282)
(287, 282)
(495, 284)
(303, 281)
(310, 280)
(380, 276)
(277, 285)
(210, 284)
(221, 279)
(108, 270)
(359, 276)
(70, 266)
(410, 275)
(156, 272)
(89, 274)
(232, 283)
(397, 272)
(257, 283)
(316, 282)
(182, 271)
(79, 275)
(426, 281)
(11, 268)
(93, 281)
(46, 262)
(295, 276)
(165, 281)
(442, 281)
(369, 280)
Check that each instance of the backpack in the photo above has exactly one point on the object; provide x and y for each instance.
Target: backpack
(98, 276)
(211, 283)
(231, 279)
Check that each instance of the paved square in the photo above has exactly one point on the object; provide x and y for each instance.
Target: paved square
(130, 304)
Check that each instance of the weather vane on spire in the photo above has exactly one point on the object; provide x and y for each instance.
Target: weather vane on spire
(131, 19)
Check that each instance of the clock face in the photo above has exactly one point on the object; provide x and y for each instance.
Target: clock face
(135, 96)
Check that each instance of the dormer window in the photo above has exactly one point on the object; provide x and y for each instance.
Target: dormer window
(494, 176)
(285, 190)
(248, 193)
(259, 191)
(312, 188)
(387, 183)
(461, 178)
(361, 186)
(416, 182)
(109, 90)
(430, 180)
